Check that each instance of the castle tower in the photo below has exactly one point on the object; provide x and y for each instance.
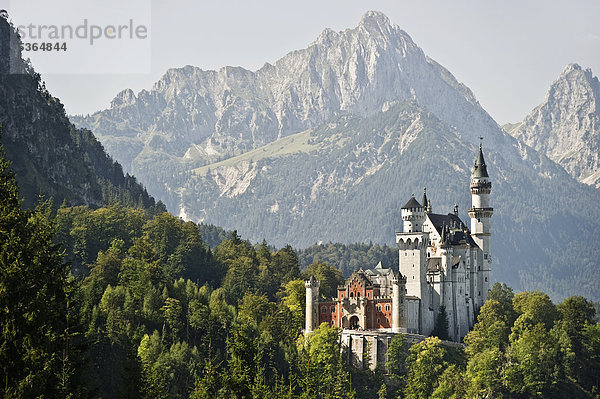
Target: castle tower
(413, 216)
(312, 304)
(397, 313)
(412, 251)
(481, 214)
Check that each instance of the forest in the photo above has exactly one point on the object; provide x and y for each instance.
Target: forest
(125, 302)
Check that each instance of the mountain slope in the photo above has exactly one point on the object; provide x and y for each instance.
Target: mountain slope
(350, 184)
(330, 141)
(566, 125)
(193, 117)
(50, 156)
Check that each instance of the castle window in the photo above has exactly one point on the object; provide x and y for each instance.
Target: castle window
(486, 279)
(379, 308)
(352, 295)
(479, 293)
(387, 321)
(358, 294)
(369, 294)
(323, 310)
(387, 308)
(331, 322)
(378, 320)
(333, 309)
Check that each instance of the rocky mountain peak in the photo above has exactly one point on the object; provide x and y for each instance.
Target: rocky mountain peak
(124, 97)
(376, 21)
(566, 125)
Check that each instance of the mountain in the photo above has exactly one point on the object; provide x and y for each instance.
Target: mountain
(330, 141)
(195, 117)
(50, 156)
(566, 125)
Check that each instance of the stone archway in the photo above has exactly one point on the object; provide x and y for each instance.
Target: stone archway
(354, 323)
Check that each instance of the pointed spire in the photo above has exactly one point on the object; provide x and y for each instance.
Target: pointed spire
(456, 209)
(425, 201)
(480, 169)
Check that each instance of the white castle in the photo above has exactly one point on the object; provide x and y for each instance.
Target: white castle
(441, 261)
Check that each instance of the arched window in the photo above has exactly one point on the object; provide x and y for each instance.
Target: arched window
(352, 295)
(323, 310)
(387, 308)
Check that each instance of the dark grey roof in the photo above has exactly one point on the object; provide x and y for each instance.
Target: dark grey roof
(434, 264)
(457, 235)
(439, 221)
(480, 168)
(412, 203)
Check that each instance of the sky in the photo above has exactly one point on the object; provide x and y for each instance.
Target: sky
(507, 52)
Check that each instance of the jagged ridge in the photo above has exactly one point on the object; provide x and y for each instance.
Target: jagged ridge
(566, 125)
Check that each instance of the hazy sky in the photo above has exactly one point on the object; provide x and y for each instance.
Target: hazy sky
(508, 52)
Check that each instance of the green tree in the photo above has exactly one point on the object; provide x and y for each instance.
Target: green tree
(173, 313)
(576, 314)
(396, 357)
(325, 373)
(534, 367)
(426, 364)
(440, 328)
(452, 384)
(294, 297)
(535, 307)
(35, 335)
(329, 278)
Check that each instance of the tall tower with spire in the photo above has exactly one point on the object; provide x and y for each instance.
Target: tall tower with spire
(481, 215)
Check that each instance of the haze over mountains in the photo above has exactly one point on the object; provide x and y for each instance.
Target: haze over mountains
(330, 141)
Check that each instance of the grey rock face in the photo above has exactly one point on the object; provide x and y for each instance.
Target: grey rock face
(208, 115)
(566, 125)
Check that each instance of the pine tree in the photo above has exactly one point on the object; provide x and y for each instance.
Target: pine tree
(35, 348)
(440, 329)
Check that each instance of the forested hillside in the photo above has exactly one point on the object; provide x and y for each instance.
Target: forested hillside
(51, 157)
(351, 257)
(161, 315)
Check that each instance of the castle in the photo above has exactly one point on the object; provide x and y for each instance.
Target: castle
(441, 261)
